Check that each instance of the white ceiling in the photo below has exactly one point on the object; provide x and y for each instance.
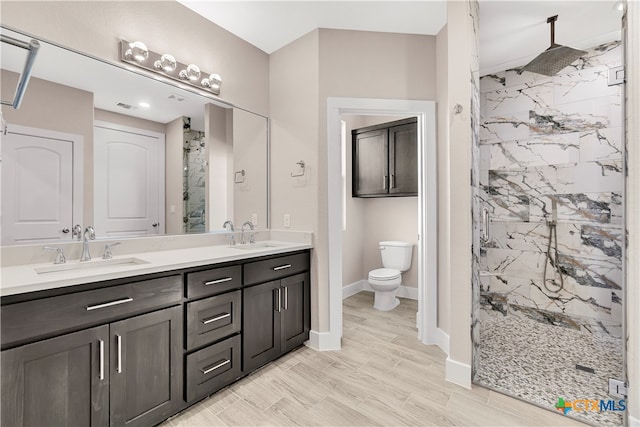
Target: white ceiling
(511, 32)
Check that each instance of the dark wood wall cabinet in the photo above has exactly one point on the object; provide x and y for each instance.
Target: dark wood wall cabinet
(133, 353)
(385, 159)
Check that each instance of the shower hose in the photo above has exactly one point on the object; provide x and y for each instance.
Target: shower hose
(553, 233)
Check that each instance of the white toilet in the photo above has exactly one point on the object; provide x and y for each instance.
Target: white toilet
(396, 258)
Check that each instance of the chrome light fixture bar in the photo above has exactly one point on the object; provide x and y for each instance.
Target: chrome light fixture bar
(136, 53)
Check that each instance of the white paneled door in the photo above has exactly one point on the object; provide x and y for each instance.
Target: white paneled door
(38, 185)
(128, 181)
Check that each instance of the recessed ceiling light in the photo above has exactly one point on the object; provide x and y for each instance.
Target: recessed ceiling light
(144, 104)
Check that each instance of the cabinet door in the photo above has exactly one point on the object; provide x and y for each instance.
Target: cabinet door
(295, 316)
(61, 381)
(146, 367)
(370, 167)
(261, 325)
(403, 159)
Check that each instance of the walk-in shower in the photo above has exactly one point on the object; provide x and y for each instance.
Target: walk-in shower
(548, 263)
(194, 178)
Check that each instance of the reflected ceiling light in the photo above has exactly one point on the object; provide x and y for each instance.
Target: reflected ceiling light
(136, 53)
(144, 104)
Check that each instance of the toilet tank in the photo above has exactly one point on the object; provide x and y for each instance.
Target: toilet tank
(396, 255)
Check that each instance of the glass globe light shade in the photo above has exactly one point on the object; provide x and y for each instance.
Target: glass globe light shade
(167, 63)
(193, 72)
(215, 80)
(138, 51)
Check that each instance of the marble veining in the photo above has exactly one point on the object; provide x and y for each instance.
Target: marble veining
(550, 148)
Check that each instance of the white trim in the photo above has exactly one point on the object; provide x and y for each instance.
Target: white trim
(77, 142)
(408, 292)
(353, 288)
(427, 205)
(634, 422)
(322, 341)
(458, 373)
(161, 166)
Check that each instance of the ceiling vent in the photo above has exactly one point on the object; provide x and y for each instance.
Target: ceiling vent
(177, 98)
(125, 106)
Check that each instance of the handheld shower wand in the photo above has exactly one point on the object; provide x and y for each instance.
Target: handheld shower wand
(549, 259)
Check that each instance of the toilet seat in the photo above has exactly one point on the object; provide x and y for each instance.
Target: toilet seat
(383, 274)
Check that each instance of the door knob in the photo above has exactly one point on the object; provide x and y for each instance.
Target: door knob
(65, 230)
(155, 224)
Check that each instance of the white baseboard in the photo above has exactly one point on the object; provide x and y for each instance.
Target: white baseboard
(362, 285)
(634, 422)
(442, 340)
(458, 373)
(323, 341)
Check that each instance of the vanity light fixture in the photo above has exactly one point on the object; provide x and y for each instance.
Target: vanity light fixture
(136, 53)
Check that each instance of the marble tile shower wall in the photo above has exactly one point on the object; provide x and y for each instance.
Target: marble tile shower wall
(194, 181)
(545, 139)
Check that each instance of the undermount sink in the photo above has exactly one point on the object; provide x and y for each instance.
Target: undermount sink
(258, 245)
(88, 265)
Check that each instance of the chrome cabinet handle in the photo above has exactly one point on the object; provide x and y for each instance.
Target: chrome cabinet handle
(384, 182)
(101, 359)
(282, 267)
(393, 182)
(279, 300)
(109, 304)
(286, 297)
(216, 318)
(206, 371)
(119, 350)
(215, 282)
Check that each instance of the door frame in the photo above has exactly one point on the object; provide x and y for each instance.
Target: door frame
(425, 111)
(161, 166)
(77, 162)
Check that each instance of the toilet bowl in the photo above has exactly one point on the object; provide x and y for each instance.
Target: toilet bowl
(385, 283)
(396, 258)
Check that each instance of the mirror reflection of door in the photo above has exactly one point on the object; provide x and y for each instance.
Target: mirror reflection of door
(128, 181)
(37, 185)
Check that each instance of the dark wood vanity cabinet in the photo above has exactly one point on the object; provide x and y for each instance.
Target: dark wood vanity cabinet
(276, 314)
(122, 373)
(385, 159)
(133, 353)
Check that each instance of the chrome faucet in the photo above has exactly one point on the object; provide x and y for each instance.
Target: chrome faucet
(60, 259)
(252, 237)
(86, 256)
(232, 237)
(107, 250)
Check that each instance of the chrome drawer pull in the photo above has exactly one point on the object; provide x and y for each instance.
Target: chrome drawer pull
(215, 282)
(108, 304)
(215, 319)
(101, 360)
(282, 267)
(205, 371)
(286, 298)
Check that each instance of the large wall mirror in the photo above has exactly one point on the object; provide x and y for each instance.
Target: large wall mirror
(95, 143)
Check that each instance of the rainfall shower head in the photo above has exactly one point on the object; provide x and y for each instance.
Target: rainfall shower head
(555, 58)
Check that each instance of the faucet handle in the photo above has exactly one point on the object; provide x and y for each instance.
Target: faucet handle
(60, 259)
(77, 231)
(107, 250)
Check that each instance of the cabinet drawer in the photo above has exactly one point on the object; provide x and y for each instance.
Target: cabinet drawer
(212, 368)
(213, 318)
(275, 268)
(213, 281)
(28, 320)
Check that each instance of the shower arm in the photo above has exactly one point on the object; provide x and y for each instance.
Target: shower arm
(552, 20)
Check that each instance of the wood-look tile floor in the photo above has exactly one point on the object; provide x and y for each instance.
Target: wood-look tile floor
(383, 376)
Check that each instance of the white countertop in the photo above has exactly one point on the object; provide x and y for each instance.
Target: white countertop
(25, 278)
